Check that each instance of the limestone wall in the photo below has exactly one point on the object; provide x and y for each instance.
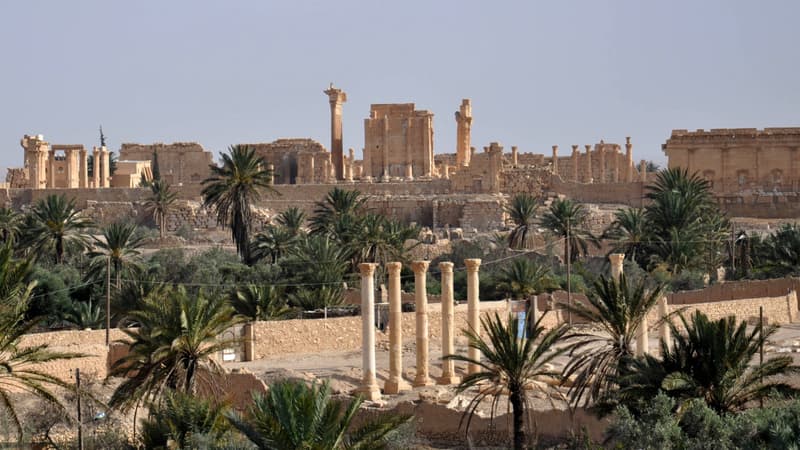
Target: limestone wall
(736, 290)
(631, 194)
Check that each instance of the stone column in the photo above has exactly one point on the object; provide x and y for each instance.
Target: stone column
(589, 176)
(575, 164)
(463, 125)
(369, 386)
(420, 269)
(51, 169)
(271, 169)
(602, 151)
(663, 308)
(473, 308)
(351, 160)
(514, 155)
(395, 384)
(104, 154)
(96, 167)
(427, 146)
(336, 97)
(448, 325)
(385, 153)
(643, 171)
(628, 160)
(83, 179)
(617, 156)
(616, 260)
(555, 159)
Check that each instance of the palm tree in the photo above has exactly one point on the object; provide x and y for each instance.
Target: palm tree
(568, 218)
(181, 417)
(522, 211)
(160, 203)
(232, 189)
(320, 262)
(709, 360)
(273, 243)
(618, 310)
(120, 244)
(294, 416)
(524, 278)
(20, 367)
(338, 203)
(84, 315)
(511, 365)
(173, 346)
(10, 222)
(55, 227)
(374, 238)
(260, 302)
(783, 251)
(627, 232)
(292, 219)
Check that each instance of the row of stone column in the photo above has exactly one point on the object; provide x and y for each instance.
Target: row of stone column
(395, 383)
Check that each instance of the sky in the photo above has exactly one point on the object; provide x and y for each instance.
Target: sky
(538, 73)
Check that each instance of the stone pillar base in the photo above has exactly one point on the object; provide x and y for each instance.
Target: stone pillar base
(371, 393)
(453, 379)
(422, 382)
(396, 387)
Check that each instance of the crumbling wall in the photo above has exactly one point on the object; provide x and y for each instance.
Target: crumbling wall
(178, 163)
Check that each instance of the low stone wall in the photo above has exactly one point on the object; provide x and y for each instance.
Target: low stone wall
(736, 290)
(92, 343)
(777, 310)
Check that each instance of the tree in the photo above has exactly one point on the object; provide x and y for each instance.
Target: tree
(627, 232)
(782, 256)
(20, 367)
(568, 218)
(374, 238)
(510, 364)
(120, 243)
(181, 417)
(160, 203)
(338, 203)
(292, 219)
(618, 309)
(233, 188)
(273, 243)
(294, 416)
(155, 169)
(174, 345)
(85, 315)
(260, 302)
(55, 227)
(10, 222)
(710, 361)
(524, 278)
(522, 211)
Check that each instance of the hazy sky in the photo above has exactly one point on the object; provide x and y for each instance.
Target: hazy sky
(538, 73)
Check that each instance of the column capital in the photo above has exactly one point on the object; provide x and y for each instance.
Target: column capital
(588, 148)
(472, 264)
(367, 269)
(394, 267)
(575, 148)
(420, 266)
(446, 267)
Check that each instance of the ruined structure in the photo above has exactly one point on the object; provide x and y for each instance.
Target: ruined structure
(336, 97)
(178, 163)
(463, 132)
(398, 143)
(59, 166)
(297, 161)
(739, 159)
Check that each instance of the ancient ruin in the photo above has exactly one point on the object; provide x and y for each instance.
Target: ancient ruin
(297, 161)
(398, 143)
(178, 163)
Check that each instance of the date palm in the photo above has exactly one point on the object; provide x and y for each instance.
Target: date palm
(782, 255)
(120, 243)
(294, 416)
(292, 219)
(509, 364)
(173, 346)
(10, 222)
(618, 309)
(711, 360)
(337, 203)
(628, 232)
(233, 188)
(182, 416)
(568, 218)
(260, 302)
(54, 227)
(524, 278)
(21, 367)
(522, 211)
(273, 243)
(375, 238)
(160, 202)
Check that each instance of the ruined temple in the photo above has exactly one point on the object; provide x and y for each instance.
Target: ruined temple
(739, 159)
(178, 163)
(398, 143)
(55, 166)
(297, 161)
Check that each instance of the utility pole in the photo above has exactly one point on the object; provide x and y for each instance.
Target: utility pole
(569, 272)
(108, 301)
(80, 418)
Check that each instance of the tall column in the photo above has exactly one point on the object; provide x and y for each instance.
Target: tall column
(385, 154)
(96, 167)
(395, 384)
(617, 156)
(448, 332)
(351, 159)
(369, 386)
(51, 169)
(84, 171)
(473, 309)
(427, 146)
(463, 126)
(336, 97)
(420, 269)
(628, 160)
(663, 307)
(106, 181)
(589, 176)
(409, 175)
(643, 171)
(575, 163)
(514, 155)
(555, 159)
(616, 260)
(602, 151)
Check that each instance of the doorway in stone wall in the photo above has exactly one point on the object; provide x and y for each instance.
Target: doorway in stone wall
(287, 171)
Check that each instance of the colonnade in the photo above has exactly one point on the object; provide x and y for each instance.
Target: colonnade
(395, 383)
